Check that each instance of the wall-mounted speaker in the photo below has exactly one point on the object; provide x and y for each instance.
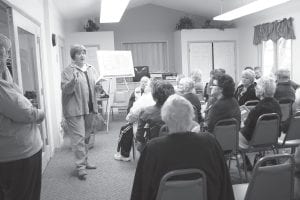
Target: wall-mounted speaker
(53, 39)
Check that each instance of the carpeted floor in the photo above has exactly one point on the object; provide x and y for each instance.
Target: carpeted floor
(112, 180)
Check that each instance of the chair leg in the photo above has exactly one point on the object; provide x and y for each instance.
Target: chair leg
(245, 166)
(238, 167)
(293, 150)
(133, 148)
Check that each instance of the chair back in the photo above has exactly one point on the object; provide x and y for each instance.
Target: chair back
(226, 133)
(266, 131)
(183, 184)
(274, 182)
(294, 128)
(251, 104)
(286, 108)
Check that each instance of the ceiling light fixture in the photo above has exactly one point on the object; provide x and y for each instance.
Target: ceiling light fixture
(250, 8)
(112, 10)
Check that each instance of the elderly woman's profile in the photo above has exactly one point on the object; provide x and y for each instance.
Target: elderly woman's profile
(181, 149)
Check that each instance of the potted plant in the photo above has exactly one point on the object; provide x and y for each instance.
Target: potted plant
(184, 23)
(91, 26)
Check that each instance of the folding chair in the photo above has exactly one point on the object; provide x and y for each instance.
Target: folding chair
(120, 102)
(274, 182)
(226, 132)
(251, 104)
(264, 137)
(191, 185)
(292, 137)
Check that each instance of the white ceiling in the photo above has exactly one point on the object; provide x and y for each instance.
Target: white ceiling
(75, 9)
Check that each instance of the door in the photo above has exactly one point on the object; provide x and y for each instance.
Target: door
(200, 57)
(29, 68)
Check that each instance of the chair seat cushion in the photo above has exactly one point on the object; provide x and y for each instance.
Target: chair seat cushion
(240, 190)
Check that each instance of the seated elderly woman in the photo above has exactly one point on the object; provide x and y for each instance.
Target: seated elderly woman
(246, 91)
(196, 76)
(161, 90)
(181, 149)
(296, 108)
(284, 88)
(265, 90)
(188, 86)
(226, 106)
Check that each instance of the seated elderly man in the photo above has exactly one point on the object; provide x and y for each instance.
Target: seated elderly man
(138, 92)
(246, 91)
(284, 88)
(181, 149)
(226, 106)
(188, 86)
(265, 90)
(161, 90)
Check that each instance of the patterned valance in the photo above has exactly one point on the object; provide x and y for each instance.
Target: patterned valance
(274, 31)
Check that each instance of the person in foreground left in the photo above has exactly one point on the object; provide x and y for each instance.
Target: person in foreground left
(181, 149)
(20, 138)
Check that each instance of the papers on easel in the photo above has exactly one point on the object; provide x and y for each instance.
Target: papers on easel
(115, 64)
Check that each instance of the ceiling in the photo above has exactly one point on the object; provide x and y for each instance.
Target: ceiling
(75, 9)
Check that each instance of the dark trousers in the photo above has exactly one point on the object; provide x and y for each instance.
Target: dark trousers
(125, 140)
(21, 179)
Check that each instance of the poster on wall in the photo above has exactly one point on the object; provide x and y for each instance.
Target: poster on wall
(115, 64)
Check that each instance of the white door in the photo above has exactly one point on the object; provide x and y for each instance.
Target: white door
(224, 57)
(200, 57)
(29, 68)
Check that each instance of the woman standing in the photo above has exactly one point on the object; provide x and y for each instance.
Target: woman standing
(20, 138)
(79, 105)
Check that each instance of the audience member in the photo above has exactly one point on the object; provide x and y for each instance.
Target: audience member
(79, 86)
(284, 88)
(161, 90)
(246, 91)
(196, 76)
(213, 74)
(187, 85)
(20, 138)
(265, 89)
(226, 106)
(177, 88)
(258, 73)
(181, 149)
(138, 92)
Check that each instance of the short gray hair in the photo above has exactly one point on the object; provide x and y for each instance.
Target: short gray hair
(283, 74)
(249, 74)
(5, 42)
(267, 85)
(76, 48)
(177, 113)
(196, 76)
(188, 85)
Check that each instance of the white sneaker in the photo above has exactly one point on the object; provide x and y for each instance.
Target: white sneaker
(119, 157)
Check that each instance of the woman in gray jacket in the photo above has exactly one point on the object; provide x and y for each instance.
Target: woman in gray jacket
(79, 105)
(20, 138)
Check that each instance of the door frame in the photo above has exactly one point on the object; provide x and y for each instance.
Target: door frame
(21, 21)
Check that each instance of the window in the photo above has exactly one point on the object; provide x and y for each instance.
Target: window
(276, 55)
(152, 54)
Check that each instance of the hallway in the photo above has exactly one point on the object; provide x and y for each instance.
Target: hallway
(112, 180)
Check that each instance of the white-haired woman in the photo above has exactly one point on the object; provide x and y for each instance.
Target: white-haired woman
(181, 149)
(265, 90)
(188, 86)
(20, 138)
(196, 76)
(78, 85)
(246, 91)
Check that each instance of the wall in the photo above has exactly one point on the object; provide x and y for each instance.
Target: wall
(249, 52)
(196, 35)
(146, 23)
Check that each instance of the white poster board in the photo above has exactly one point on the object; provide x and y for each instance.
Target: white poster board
(115, 64)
